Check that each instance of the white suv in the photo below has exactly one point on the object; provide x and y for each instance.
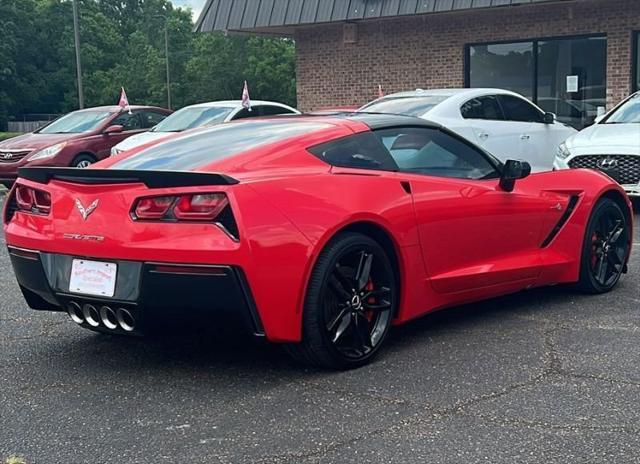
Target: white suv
(611, 145)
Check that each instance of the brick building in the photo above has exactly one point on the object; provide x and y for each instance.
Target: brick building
(569, 56)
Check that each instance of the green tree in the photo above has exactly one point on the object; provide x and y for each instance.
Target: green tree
(122, 45)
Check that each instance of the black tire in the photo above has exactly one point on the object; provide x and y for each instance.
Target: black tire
(83, 160)
(344, 327)
(605, 251)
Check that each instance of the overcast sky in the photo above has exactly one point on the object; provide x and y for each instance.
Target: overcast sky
(196, 6)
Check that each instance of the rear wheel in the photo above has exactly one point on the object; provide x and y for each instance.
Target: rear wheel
(350, 302)
(83, 161)
(606, 248)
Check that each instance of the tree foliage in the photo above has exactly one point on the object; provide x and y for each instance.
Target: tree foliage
(122, 45)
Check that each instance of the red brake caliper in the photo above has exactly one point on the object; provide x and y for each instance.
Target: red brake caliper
(370, 300)
(594, 248)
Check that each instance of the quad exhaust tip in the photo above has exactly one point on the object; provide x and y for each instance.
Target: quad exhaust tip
(91, 315)
(125, 320)
(109, 318)
(75, 312)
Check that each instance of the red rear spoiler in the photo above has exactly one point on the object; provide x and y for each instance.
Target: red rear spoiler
(152, 179)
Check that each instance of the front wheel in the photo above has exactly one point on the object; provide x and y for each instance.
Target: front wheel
(606, 248)
(82, 161)
(351, 299)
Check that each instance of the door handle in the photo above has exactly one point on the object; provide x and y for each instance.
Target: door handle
(483, 136)
(525, 137)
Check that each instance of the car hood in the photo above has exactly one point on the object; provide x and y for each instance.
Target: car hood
(140, 139)
(35, 141)
(622, 138)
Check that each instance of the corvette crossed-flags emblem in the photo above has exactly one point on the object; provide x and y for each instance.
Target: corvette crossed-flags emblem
(85, 212)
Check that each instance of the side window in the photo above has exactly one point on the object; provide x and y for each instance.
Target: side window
(482, 108)
(128, 121)
(432, 152)
(517, 109)
(270, 110)
(245, 113)
(361, 151)
(151, 118)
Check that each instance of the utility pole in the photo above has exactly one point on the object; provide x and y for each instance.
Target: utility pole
(166, 58)
(166, 55)
(76, 31)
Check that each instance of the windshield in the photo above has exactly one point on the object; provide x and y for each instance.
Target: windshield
(190, 118)
(76, 122)
(411, 106)
(628, 113)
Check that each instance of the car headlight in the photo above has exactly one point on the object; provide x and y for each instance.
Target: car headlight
(48, 152)
(563, 151)
(115, 151)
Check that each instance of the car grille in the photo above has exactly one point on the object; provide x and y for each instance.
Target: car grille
(623, 168)
(12, 156)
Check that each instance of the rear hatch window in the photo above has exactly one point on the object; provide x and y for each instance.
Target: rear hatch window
(193, 150)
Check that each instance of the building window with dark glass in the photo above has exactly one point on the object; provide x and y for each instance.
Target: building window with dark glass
(565, 76)
(509, 64)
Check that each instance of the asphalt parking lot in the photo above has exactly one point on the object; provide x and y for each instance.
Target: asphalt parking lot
(543, 376)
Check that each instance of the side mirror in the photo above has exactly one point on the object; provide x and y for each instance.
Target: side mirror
(513, 170)
(116, 129)
(550, 118)
(599, 118)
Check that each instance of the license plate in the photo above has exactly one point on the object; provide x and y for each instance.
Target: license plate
(93, 278)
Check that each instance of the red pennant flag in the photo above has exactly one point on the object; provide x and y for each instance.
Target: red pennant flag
(246, 99)
(124, 101)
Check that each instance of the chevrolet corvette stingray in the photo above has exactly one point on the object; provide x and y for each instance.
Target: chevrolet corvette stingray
(318, 232)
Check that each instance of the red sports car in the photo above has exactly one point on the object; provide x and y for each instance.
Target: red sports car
(319, 232)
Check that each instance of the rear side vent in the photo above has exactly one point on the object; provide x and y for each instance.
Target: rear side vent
(11, 207)
(228, 222)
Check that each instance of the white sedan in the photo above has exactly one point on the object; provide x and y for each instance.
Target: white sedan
(203, 114)
(611, 145)
(504, 123)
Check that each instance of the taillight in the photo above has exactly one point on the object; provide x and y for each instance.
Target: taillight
(204, 207)
(31, 200)
(153, 207)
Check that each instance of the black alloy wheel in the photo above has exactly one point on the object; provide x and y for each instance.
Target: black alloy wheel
(606, 248)
(351, 300)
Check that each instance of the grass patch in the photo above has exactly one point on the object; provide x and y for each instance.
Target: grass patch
(8, 135)
(15, 460)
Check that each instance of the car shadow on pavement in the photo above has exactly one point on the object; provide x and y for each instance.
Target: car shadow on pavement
(198, 347)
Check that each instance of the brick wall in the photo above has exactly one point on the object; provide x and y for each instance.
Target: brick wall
(427, 51)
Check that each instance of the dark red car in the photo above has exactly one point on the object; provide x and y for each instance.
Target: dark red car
(77, 139)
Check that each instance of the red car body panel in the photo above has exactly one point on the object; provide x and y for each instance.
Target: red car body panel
(95, 142)
(456, 240)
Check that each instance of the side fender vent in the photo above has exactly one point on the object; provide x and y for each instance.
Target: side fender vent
(573, 201)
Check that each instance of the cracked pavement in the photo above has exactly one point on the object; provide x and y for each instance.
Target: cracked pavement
(542, 376)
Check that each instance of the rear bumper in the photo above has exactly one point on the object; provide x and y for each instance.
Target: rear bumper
(216, 294)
